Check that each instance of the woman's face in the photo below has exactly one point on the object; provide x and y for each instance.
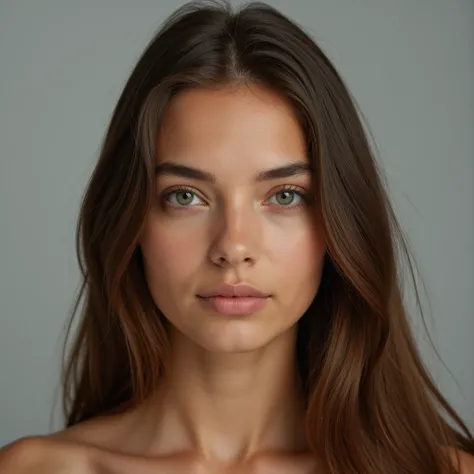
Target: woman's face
(232, 227)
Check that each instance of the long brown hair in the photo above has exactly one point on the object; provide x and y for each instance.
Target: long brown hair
(371, 404)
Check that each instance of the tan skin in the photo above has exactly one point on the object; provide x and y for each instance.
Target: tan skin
(231, 402)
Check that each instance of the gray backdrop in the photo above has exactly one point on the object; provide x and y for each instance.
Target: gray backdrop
(410, 66)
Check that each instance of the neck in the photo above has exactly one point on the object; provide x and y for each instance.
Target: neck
(230, 406)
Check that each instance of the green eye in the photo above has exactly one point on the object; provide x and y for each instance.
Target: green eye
(184, 197)
(286, 197)
(181, 197)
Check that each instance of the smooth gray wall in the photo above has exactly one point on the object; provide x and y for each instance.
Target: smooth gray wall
(410, 66)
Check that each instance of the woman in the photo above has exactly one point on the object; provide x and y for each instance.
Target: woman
(242, 303)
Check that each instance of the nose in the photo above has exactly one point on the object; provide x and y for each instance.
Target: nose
(236, 237)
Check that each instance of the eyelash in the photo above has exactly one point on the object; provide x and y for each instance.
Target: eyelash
(285, 188)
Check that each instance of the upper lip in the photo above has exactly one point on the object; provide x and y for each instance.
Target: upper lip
(225, 289)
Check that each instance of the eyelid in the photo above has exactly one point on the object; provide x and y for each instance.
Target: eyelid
(289, 187)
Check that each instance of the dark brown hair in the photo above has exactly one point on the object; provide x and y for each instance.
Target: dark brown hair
(371, 404)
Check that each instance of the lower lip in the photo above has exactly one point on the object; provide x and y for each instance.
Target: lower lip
(234, 306)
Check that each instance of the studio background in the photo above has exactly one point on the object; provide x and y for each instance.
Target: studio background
(409, 65)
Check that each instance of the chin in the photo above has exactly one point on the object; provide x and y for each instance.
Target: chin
(237, 336)
(231, 336)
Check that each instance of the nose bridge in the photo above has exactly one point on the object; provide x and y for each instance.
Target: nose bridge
(237, 232)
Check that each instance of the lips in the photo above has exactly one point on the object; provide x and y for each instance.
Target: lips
(234, 305)
(240, 290)
(239, 299)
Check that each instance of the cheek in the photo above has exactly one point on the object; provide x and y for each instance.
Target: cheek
(299, 250)
(168, 253)
(299, 260)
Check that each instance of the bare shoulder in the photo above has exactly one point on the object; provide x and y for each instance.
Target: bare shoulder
(80, 449)
(462, 461)
(40, 454)
(466, 463)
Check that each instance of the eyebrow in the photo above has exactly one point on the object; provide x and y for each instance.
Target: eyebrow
(174, 169)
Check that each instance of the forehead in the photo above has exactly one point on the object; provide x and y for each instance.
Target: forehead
(233, 128)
